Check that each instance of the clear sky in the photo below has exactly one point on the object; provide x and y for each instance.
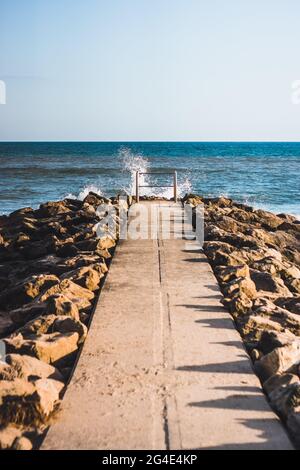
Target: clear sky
(149, 69)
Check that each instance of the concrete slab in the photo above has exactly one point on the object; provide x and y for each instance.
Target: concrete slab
(163, 366)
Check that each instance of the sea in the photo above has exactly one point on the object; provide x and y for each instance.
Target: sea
(264, 175)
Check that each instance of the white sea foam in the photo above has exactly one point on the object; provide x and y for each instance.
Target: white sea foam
(135, 162)
(85, 191)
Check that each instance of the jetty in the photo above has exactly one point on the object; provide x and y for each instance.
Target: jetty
(163, 366)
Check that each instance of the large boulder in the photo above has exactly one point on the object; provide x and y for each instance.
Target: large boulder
(241, 285)
(26, 290)
(28, 403)
(80, 296)
(280, 360)
(8, 435)
(87, 277)
(30, 368)
(227, 274)
(28, 312)
(290, 304)
(60, 304)
(264, 281)
(49, 348)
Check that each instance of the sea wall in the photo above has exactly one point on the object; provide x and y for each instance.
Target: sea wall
(52, 266)
(255, 256)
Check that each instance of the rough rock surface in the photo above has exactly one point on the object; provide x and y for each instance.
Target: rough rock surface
(51, 266)
(256, 258)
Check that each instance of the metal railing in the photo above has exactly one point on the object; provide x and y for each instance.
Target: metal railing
(138, 186)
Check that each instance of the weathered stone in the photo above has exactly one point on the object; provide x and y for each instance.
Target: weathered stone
(30, 368)
(49, 348)
(23, 402)
(255, 326)
(27, 290)
(280, 360)
(68, 325)
(272, 339)
(290, 304)
(50, 209)
(80, 296)
(285, 398)
(38, 326)
(285, 318)
(239, 304)
(269, 265)
(60, 304)
(264, 281)
(242, 285)
(22, 443)
(233, 272)
(87, 277)
(293, 424)
(8, 435)
(278, 381)
(22, 315)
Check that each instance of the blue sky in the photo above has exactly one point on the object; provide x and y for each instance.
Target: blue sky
(149, 69)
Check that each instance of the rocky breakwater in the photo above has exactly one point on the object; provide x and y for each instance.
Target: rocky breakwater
(52, 263)
(255, 256)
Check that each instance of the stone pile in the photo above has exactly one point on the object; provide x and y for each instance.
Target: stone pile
(255, 256)
(52, 263)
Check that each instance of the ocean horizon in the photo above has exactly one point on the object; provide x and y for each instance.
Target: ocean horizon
(262, 174)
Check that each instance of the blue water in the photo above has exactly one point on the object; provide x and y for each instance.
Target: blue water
(262, 174)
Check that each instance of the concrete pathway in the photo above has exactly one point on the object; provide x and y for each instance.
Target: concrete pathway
(163, 366)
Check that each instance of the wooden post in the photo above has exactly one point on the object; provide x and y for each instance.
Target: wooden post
(175, 186)
(137, 183)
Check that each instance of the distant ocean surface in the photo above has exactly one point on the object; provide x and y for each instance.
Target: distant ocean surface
(265, 175)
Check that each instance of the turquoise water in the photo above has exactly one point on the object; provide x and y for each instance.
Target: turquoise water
(262, 174)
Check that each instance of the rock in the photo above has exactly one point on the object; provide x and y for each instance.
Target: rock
(293, 424)
(8, 435)
(268, 220)
(96, 200)
(51, 209)
(290, 304)
(254, 327)
(6, 324)
(49, 348)
(38, 326)
(269, 265)
(22, 443)
(232, 272)
(278, 381)
(30, 368)
(293, 285)
(80, 296)
(68, 325)
(22, 315)
(264, 281)
(60, 304)
(285, 398)
(238, 305)
(25, 403)
(280, 360)
(87, 277)
(242, 285)
(27, 290)
(272, 339)
(286, 319)
(67, 250)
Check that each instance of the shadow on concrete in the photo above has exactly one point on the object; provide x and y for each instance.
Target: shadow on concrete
(236, 367)
(266, 436)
